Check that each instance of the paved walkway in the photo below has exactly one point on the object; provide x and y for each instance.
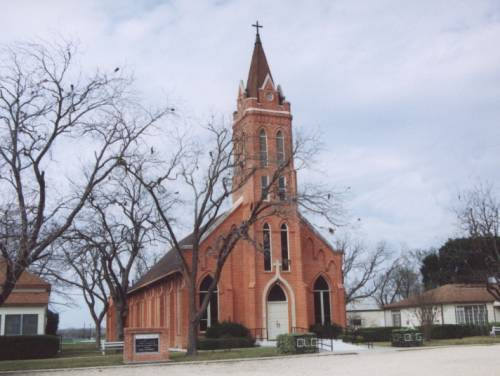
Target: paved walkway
(450, 361)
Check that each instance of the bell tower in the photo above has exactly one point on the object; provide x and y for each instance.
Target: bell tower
(262, 129)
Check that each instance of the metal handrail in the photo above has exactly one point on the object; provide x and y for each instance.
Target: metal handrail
(298, 329)
(259, 333)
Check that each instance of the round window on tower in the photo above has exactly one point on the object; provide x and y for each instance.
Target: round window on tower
(269, 96)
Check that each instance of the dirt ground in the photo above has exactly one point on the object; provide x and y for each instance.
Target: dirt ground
(450, 361)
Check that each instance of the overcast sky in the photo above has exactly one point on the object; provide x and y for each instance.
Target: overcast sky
(405, 93)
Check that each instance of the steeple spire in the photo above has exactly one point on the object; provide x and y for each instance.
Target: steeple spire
(259, 69)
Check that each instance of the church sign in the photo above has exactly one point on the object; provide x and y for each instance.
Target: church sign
(146, 343)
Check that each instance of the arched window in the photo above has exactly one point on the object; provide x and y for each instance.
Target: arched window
(285, 260)
(266, 244)
(321, 301)
(282, 188)
(263, 148)
(210, 316)
(280, 147)
(276, 294)
(264, 187)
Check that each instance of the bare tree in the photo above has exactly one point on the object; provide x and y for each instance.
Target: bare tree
(478, 214)
(426, 310)
(210, 174)
(47, 107)
(361, 267)
(118, 225)
(75, 266)
(398, 281)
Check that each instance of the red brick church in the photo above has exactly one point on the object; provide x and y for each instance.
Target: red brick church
(295, 282)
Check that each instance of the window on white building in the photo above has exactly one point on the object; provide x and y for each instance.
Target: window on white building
(472, 314)
(16, 325)
(396, 318)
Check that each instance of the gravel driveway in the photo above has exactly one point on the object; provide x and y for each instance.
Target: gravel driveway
(451, 361)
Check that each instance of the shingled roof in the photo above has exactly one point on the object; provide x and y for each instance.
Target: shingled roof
(171, 262)
(26, 280)
(447, 294)
(37, 290)
(259, 69)
(168, 264)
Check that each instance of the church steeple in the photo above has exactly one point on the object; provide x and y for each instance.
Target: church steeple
(259, 69)
(262, 131)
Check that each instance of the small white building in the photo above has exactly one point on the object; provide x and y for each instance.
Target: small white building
(25, 310)
(365, 313)
(451, 304)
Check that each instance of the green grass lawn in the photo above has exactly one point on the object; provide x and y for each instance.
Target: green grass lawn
(86, 355)
(479, 340)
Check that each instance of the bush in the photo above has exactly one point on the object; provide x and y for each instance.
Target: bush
(358, 339)
(326, 330)
(451, 331)
(376, 334)
(297, 343)
(227, 329)
(28, 347)
(52, 323)
(347, 338)
(225, 343)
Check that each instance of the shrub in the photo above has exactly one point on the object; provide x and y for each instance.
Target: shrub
(358, 339)
(376, 334)
(297, 343)
(227, 329)
(348, 338)
(28, 347)
(52, 323)
(451, 331)
(225, 343)
(326, 330)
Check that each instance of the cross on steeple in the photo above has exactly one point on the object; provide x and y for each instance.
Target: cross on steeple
(257, 26)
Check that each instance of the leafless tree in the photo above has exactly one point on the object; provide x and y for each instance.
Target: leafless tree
(118, 224)
(361, 267)
(74, 265)
(478, 214)
(210, 174)
(426, 311)
(50, 112)
(398, 281)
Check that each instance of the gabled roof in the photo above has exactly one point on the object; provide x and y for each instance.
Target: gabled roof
(168, 264)
(26, 280)
(37, 291)
(259, 69)
(171, 262)
(447, 294)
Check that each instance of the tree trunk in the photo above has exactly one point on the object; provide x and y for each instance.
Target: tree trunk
(121, 315)
(192, 346)
(98, 336)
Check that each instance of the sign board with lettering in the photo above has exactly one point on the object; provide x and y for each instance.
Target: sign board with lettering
(147, 343)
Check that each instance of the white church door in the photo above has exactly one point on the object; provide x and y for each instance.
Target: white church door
(277, 313)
